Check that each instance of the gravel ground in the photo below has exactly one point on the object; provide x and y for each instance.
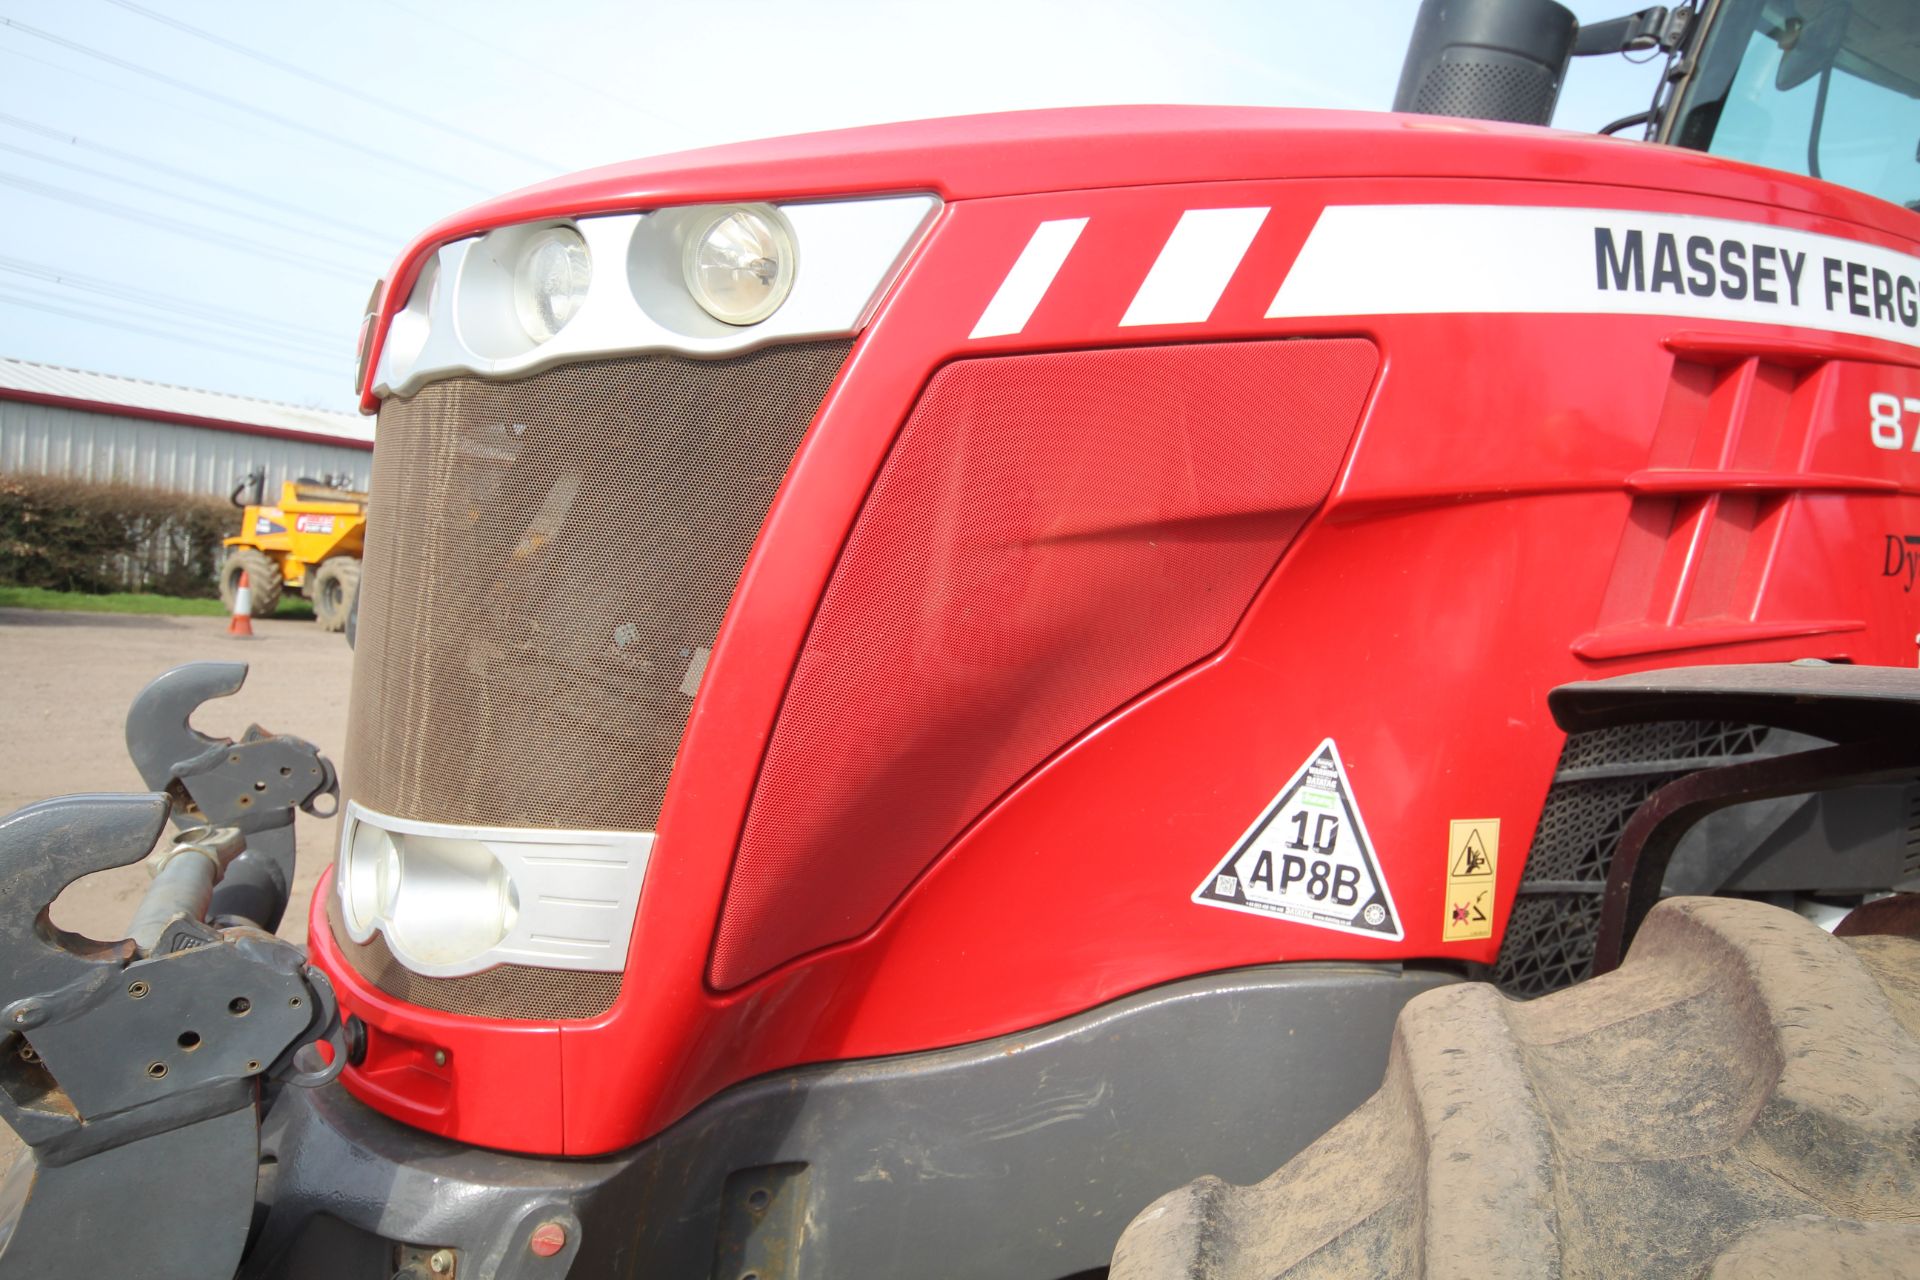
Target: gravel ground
(68, 681)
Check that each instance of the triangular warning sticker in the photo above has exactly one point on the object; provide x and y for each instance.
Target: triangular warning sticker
(1308, 859)
(1472, 861)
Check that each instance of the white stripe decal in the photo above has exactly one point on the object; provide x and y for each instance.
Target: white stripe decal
(1032, 274)
(1455, 259)
(1194, 266)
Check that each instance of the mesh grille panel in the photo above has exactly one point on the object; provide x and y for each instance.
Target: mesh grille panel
(509, 991)
(547, 559)
(1603, 777)
(547, 564)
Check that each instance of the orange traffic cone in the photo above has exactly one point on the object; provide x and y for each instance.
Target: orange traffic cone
(242, 624)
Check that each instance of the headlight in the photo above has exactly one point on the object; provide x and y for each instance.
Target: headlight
(740, 267)
(453, 900)
(550, 281)
(441, 901)
(369, 875)
(449, 899)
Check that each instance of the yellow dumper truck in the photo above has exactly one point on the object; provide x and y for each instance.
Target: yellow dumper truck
(310, 542)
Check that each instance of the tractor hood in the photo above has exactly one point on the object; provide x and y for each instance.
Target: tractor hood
(1091, 148)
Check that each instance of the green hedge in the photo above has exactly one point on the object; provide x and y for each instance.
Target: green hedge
(75, 535)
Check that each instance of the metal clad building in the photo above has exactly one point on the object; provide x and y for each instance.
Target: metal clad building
(94, 426)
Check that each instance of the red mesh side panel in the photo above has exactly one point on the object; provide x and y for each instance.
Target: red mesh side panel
(1052, 535)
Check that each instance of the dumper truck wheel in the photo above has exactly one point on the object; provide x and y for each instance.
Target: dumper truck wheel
(263, 580)
(335, 584)
(1740, 1099)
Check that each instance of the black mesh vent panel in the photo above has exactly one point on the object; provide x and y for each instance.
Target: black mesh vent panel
(1602, 778)
(1517, 92)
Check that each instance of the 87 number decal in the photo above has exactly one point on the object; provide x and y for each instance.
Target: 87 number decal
(1884, 420)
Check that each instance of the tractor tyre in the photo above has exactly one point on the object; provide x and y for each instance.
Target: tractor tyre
(263, 580)
(336, 584)
(1740, 1099)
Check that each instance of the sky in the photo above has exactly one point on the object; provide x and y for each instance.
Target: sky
(202, 192)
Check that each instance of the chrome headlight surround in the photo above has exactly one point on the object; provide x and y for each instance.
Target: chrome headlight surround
(454, 900)
(460, 317)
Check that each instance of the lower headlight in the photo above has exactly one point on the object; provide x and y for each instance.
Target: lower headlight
(369, 875)
(441, 901)
(449, 899)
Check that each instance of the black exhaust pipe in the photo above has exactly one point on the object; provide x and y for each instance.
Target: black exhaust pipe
(1487, 59)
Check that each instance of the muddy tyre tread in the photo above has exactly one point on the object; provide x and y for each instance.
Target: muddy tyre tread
(1740, 1099)
(263, 579)
(330, 606)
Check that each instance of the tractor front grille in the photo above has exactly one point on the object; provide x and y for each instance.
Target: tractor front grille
(547, 563)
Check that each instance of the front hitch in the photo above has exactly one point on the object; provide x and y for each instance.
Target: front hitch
(253, 785)
(133, 1069)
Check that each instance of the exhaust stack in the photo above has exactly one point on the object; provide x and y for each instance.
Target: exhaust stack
(1487, 59)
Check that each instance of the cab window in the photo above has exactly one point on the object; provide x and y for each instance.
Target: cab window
(1821, 87)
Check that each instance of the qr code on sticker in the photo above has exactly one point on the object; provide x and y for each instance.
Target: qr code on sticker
(1226, 886)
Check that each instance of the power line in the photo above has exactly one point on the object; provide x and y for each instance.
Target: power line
(234, 332)
(198, 321)
(218, 315)
(224, 240)
(121, 88)
(520, 60)
(239, 333)
(134, 93)
(279, 64)
(86, 309)
(197, 341)
(249, 108)
(174, 195)
(384, 240)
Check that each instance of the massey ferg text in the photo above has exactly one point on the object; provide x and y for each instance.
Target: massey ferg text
(1740, 270)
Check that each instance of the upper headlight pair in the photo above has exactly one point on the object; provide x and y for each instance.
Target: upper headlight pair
(739, 267)
(695, 279)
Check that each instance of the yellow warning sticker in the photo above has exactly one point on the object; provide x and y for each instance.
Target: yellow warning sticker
(1473, 858)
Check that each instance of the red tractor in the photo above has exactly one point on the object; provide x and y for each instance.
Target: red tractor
(919, 688)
